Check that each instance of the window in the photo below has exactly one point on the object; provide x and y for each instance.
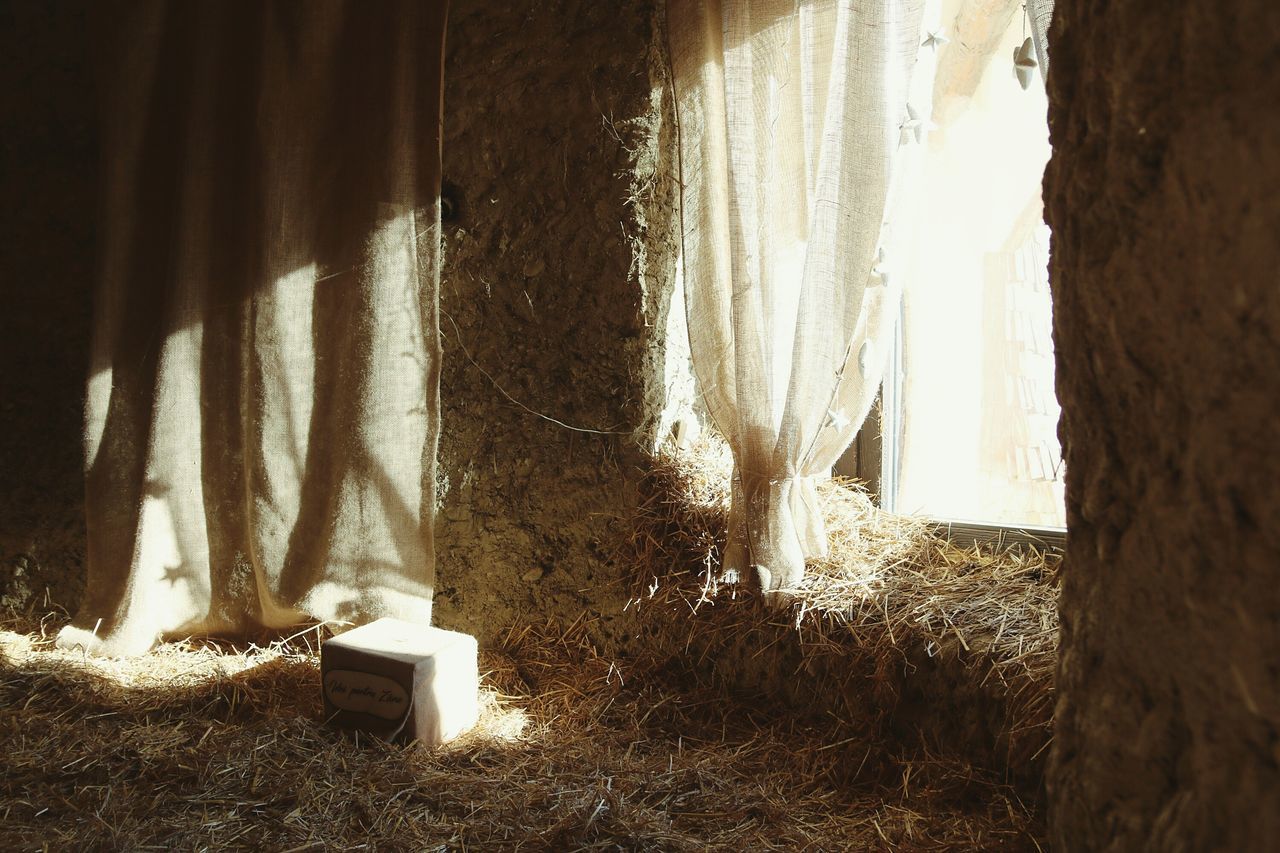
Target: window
(968, 417)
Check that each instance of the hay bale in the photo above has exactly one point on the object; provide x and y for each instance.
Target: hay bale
(898, 630)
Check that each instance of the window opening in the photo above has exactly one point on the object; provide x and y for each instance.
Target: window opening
(966, 431)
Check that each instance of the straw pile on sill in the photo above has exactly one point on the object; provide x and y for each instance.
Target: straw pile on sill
(208, 746)
(898, 631)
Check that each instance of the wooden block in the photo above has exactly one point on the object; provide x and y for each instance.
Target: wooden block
(401, 682)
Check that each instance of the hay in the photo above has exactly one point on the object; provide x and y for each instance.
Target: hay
(897, 630)
(204, 745)
(901, 700)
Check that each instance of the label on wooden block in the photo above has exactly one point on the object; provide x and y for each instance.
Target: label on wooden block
(366, 693)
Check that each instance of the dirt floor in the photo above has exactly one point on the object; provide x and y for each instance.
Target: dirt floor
(202, 745)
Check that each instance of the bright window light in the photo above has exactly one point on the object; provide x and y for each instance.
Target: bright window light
(970, 415)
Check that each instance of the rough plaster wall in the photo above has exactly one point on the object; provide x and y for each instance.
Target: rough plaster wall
(559, 263)
(48, 171)
(555, 298)
(1164, 198)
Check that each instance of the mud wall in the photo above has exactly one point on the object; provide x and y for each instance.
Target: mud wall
(555, 293)
(556, 290)
(1164, 198)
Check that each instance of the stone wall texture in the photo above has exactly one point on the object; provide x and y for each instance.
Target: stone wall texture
(1164, 198)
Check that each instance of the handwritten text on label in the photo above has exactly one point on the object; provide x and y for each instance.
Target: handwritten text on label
(352, 690)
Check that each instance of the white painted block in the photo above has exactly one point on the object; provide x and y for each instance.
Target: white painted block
(401, 681)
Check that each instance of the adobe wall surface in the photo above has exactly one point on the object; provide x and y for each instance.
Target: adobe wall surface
(1164, 198)
(559, 257)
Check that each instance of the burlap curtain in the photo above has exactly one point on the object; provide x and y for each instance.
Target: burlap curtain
(1040, 14)
(790, 115)
(263, 403)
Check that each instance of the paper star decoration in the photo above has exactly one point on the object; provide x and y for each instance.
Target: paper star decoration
(912, 127)
(934, 39)
(864, 358)
(1024, 64)
(879, 275)
(837, 419)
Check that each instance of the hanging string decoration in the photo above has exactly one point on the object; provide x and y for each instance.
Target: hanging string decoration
(1025, 64)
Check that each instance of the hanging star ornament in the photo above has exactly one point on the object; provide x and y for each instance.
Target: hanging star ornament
(879, 275)
(864, 359)
(837, 419)
(1024, 64)
(934, 39)
(912, 127)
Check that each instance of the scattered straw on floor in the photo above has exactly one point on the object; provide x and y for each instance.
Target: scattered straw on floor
(206, 746)
(897, 628)
(884, 707)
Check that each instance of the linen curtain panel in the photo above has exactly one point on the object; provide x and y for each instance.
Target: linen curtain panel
(791, 114)
(1040, 13)
(263, 399)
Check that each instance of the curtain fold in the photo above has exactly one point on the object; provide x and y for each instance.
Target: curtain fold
(1040, 13)
(791, 115)
(263, 400)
